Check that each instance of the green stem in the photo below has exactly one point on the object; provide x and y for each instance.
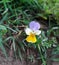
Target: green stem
(44, 62)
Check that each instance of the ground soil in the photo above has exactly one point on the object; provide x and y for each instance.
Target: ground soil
(12, 61)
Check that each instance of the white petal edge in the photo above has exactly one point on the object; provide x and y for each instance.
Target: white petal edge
(37, 32)
(28, 31)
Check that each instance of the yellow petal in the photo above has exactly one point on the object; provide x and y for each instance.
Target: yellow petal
(31, 38)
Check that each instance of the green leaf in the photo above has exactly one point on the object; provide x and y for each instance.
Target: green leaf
(4, 18)
(2, 47)
(7, 1)
(20, 55)
(3, 30)
(22, 46)
(56, 59)
(14, 46)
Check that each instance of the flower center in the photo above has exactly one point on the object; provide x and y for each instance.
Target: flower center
(32, 34)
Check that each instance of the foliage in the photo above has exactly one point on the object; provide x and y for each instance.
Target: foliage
(15, 15)
(3, 31)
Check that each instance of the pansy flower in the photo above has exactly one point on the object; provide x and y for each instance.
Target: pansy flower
(32, 31)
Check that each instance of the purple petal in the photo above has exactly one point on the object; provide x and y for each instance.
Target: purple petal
(34, 25)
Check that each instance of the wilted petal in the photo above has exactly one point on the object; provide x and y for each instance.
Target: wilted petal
(28, 31)
(34, 25)
(37, 32)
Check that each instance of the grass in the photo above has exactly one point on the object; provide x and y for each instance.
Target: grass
(15, 15)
